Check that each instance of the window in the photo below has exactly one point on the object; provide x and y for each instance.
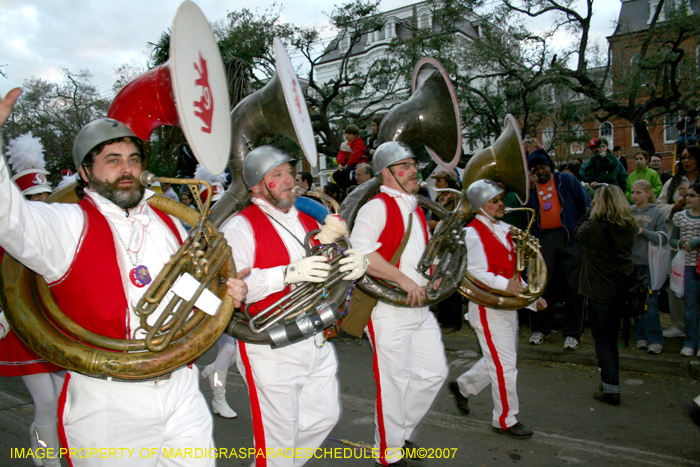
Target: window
(671, 133)
(424, 21)
(577, 148)
(605, 130)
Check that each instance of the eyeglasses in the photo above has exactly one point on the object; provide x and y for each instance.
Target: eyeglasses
(406, 165)
(691, 195)
(497, 199)
(687, 158)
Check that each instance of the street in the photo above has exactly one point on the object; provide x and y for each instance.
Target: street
(571, 428)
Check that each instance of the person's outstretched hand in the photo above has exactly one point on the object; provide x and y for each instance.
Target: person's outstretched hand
(7, 103)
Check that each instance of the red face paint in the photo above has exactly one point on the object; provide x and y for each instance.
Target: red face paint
(401, 173)
(272, 185)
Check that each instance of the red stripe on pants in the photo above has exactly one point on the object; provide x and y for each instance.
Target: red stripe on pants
(380, 410)
(61, 409)
(258, 429)
(499, 369)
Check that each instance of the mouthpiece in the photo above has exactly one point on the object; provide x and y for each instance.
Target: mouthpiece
(148, 179)
(422, 183)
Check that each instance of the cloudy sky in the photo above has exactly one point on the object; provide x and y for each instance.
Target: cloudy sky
(39, 37)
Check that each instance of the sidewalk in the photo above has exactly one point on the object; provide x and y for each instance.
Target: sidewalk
(669, 362)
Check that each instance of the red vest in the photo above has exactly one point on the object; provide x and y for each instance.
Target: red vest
(92, 291)
(501, 261)
(394, 229)
(270, 250)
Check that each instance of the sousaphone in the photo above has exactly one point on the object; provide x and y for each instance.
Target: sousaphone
(190, 92)
(431, 115)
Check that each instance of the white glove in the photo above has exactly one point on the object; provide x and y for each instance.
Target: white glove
(356, 263)
(311, 269)
(4, 325)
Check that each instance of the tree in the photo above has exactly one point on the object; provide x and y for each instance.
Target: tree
(659, 81)
(358, 90)
(56, 113)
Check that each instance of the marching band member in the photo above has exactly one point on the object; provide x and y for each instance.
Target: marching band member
(409, 356)
(42, 379)
(491, 259)
(112, 230)
(294, 389)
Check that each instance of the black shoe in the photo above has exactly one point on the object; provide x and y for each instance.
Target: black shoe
(517, 431)
(693, 411)
(410, 450)
(607, 398)
(461, 401)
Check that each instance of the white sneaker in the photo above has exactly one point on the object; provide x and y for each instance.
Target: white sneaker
(537, 338)
(687, 352)
(656, 348)
(673, 332)
(570, 343)
(642, 344)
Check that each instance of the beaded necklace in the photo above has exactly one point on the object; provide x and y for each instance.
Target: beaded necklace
(546, 204)
(139, 274)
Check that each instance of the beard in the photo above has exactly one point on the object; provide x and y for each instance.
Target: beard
(124, 197)
(279, 202)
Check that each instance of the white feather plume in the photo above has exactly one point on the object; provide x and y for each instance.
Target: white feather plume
(202, 174)
(26, 152)
(67, 179)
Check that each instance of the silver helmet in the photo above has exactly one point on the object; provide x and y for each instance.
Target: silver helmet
(389, 153)
(260, 161)
(481, 191)
(95, 133)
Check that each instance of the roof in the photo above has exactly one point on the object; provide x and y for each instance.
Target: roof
(636, 14)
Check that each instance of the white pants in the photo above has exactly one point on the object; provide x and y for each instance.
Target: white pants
(294, 398)
(498, 336)
(150, 421)
(410, 367)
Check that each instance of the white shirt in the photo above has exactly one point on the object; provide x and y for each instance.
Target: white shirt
(477, 262)
(239, 234)
(45, 237)
(369, 225)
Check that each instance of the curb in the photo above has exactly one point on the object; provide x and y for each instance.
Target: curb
(642, 363)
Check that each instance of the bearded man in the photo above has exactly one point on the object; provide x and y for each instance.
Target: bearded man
(293, 390)
(97, 257)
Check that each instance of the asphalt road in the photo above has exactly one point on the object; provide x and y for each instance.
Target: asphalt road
(571, 428)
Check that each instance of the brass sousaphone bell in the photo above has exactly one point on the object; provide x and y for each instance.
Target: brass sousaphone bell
(189, 91)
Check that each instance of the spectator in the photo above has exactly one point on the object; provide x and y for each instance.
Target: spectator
(351, 153)
(363, 173)
(604, 167)
(606, 233)
(686, 235)
(186, 197)
(373, 141)
(642, 172)
(573, 169)
(168, 191)
(670, 201)
(559, 201)
(651, 221)
(305, 181)
(655, 163)
(688, 128)
(334, 191)
(617, 151)
(450, 309)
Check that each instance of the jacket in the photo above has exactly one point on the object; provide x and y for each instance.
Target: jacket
(647, 174)
(357, 156)
(604, 169)
(604, 265)
(573, 199)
